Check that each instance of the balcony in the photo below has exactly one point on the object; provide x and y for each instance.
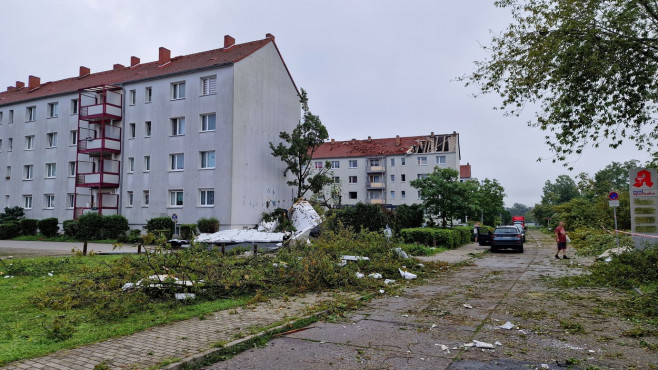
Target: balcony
(374, 169)
(101, 174)
(109, 142)
(375, 201)
(100, 103)
(106, 204)
(376, 185)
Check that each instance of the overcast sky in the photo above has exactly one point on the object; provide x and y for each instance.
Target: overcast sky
(378, 68)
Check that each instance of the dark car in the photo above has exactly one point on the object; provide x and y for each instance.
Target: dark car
(507, 237)
(484, 235)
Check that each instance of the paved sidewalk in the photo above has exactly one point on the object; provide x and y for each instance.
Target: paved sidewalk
(163, 344)
(36, 248)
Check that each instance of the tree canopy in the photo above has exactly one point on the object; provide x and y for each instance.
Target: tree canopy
(561, 191)
(591, 66)
(297, 153)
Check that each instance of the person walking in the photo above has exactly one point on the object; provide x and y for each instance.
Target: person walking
(561, 239)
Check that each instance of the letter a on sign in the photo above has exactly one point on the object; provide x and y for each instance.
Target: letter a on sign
(643, 178)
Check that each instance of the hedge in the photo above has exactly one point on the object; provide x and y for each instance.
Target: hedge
(28, 226)
(70, 228)
(49, 226)
(89, 227)
(114, 226)
(208, 225)
(449, 238)
(161, 224)
(187, 231)
(10, 230)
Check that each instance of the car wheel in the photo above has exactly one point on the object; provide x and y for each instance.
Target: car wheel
(521, 249)
(494, 249)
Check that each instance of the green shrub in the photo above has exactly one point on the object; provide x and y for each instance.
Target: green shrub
(465, 234)
(89, 226)
(28, 226)
(9, 230)
(49, 226)
(114, 226)
(12, 214)
(187, 231)
(161, 224)
(371, 217)
(449, 238)
(409, 216)
(70, 228)
(208, 225)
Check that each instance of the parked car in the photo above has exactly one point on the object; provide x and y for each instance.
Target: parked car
(507, 237)
(521, 230)
(484, 235)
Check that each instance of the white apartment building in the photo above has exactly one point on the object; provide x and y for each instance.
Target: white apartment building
(379, 171)
(186, 135)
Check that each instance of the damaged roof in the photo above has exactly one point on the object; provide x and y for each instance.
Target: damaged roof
(388, 146)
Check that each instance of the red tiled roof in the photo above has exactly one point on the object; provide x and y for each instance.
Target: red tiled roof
(364, 148)
(465, 171)
(142, 71)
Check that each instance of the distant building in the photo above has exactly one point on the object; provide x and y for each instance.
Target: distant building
(379, 171)
(465, 172)
(186, 135)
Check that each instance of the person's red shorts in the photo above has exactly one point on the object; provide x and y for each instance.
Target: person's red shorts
(561, 245)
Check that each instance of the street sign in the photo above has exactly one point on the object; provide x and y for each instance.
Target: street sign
(613, 195)
(174, 217)
(614, 203)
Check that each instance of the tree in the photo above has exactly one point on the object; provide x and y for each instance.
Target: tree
(590, 65)
(298, 152)
(563, 190)
(490, 201)
(12, 214)
(518, 209)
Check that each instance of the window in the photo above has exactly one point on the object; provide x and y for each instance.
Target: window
(51, 169)
(178, 126)
(27, 201)
(146, 198)
(440, 159)
(392, 178)
(423, 175)
(50, 201)
(52, 139)
(70, 200)
(132, 97)
(374, 162)
(148, 95)
(374, 195)
(208, 122)
(74, 106)
(403, 161)
(129, 199)
(207, 197)
(147, 128)
(29, 142)
(422, 161)
(419, 196)
(208, 159)
(71, 169)
(73, 137)
(403, 194)
(335, 164)
(208, 85)
(8, 173)
(30, 114)
(28, 172)
(176, 198)
(178, 90)
(53, 110)
(11, 145)
(392, 162)
(177, 162)
(403, 177)
(131, 164)
(318, 165)
(132, 130)
(392, 194)
(0, 144)
(1, 116)
(335, 179)
(352, 194)
(147, 163)
(352, 179)
(352, 163)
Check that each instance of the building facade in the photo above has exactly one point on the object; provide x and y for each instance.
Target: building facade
(186, 135)
(379, 171)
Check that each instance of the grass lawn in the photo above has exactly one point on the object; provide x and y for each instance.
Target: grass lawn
(59, 238)
(24, 328)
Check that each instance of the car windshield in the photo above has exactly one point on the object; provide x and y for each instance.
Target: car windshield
(507, 230)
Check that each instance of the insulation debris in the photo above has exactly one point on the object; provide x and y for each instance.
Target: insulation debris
(304, 218)
(407, 275)
(240, 236)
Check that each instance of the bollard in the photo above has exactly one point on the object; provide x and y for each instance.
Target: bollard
(84, 248)
(255, 249)
(223, 249)
(139, 248)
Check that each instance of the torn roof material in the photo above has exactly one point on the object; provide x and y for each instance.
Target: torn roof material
(240, 236)
(388, 146)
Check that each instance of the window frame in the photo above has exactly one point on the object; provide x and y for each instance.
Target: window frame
(74, 107)
(50, 201)
(350, 178)
(31, 113)
(132, 97)
(335, 164)
(130, 198)
(132, 130)
(72, 166)
(70, 200)
(203, 197)
(176, 90)
(349, 195)
(28, 172)
(205, 122)
(51, 170)
(177, 126)
(173, 202)
(148, 94)
(353, 162)
(146, 198)
(422, 160)
(131, 165)
(173, 163)
(147, 163)
(53, 110)
(205, 157)
(211, 87)
(27, 197)
(29, 142)
(441, 157)
(73, 137)
(148, 126)
(51, 139)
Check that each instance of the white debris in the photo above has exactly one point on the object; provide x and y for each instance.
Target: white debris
(613, 252)
(8, 276)
(420, 265)
(401, 253)
(467, 305)
(609, 259)
(407, 275)
(507, 326)
(498, 343)
(355, 258)
(304, 217)
(381, 291)
(50, 274)
(280, 264)
(592, 351)
(127, 286)
(342, 263)
(240, 236)
(388, 233)
(389, 281)
(545, 366)
(433, 326)
(184, 296)
(468, 345)
(523, 332)
(267, 227)
(479, 344)
(405, 315)
(444, 348)
(359, 275)
(375, 275)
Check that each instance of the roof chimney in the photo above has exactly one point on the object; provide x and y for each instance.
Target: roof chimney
(117, 67)
(397, 140)
(33, 82)
(134, 61)
(84, 71)
(269, 36)
(432, 134)
(20, 84)
(9, 88)
(332, 142)
(369, 139)
(228, 41)
(164, 56)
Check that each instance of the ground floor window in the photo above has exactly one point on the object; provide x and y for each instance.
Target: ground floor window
(207, 197)
(176, 198)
